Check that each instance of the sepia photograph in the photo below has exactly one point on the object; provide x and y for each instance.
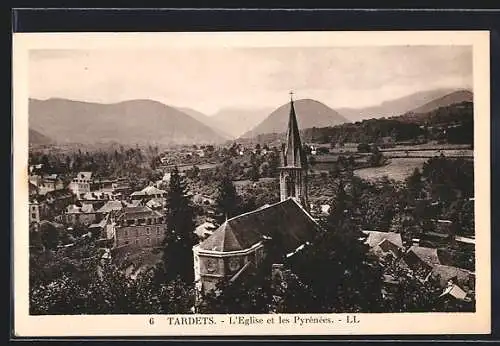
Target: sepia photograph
(245, 179)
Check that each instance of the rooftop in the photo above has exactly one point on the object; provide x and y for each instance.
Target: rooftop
(149, 190)
(446, 273)
(138, 212)
(111, 206)
(84, 175)
(375, 237)
(285, 221)
(426, 254)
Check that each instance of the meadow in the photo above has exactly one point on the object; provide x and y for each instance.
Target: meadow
(398, 169)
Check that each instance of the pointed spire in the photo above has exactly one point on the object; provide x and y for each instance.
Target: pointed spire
(293, 155)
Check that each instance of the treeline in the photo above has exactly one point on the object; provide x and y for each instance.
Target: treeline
(451, 124)
(111, 163)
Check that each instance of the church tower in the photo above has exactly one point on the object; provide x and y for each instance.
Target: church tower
(293, 170)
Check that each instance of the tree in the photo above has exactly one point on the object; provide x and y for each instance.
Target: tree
(414, 184)
(109, 291)
(228, 201)
(376, 158)
(349, 280)
(253, 173)
(49, 235)
(180, 237)
(363, 148)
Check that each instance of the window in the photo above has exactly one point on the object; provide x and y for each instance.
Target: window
(126, 233)
(147, 230)
(33, 216)
(290, 186)
(158, 230)
(136, 232)
(137, 242)
(126, 242)
(148, 241)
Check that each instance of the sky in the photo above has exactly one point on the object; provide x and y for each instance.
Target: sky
(209, 79)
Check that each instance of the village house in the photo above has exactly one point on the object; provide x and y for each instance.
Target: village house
(120, 189)
(33, 189)
(81, 183)
(138, 227)
(383, 244)
(111, 206)
(83, 215)
(34, 206)
(444, 274)
(422, 259)
(103, 185)
(46, 183)
(149, 192)
(242, 242)
(57, 200)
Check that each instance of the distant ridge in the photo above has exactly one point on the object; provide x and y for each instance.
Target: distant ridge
(310, 113)
(127, 122)
(205, 119)
(37, 138)
(237, 121)
(396, 106)
(447, 100)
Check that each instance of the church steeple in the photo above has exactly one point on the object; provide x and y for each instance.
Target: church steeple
(293, 155)
(293, 172)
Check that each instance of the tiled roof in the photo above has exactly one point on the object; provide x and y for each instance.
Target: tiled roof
(154, 203)
(87, 208)
(72, 209)
(426, 254)
(454, 291)
(91, 196)
(445, 273)
(138, 212)
(111, 206)
(375, 237)
(286, 222)
(151, 190)
(84, 175)
(100, 224)
(134, 203)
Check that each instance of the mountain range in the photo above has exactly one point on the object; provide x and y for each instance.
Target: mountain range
(310, 113)
(128, 122)
(237, 121)
(396, 106)
(446, 100)
(209, 121)
(147, 121)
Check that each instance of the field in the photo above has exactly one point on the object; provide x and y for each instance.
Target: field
(398, 169)
(465, 153)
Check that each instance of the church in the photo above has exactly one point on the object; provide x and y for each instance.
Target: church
(240, 242)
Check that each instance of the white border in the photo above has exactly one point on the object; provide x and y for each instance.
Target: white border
(138, 325)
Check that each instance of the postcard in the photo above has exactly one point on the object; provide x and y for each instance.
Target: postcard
(251, 183)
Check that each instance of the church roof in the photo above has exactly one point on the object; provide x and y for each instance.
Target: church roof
(293, 155)
(285, 221)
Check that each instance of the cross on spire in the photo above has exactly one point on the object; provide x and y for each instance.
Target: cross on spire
(291, 95)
